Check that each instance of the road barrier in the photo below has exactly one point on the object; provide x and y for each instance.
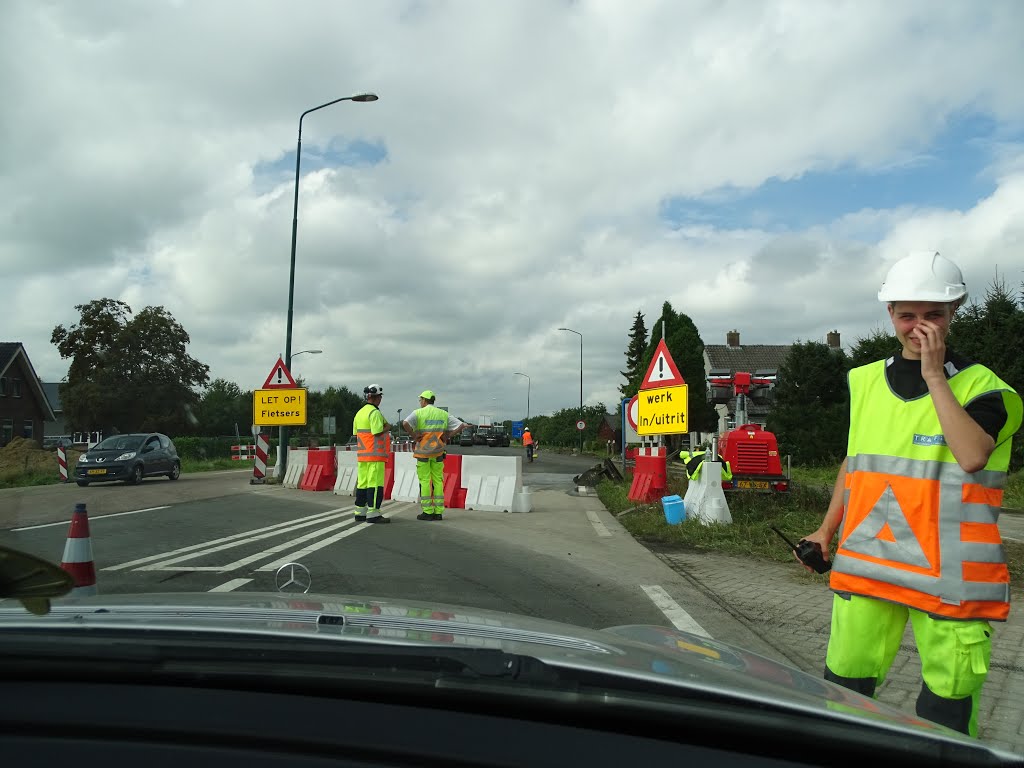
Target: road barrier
(492, 482)
(348, 470)
(62, 463)
(259, 467)
(650, 474)
(406, 484)
(297, 462)
(245, 452)
(320, 474)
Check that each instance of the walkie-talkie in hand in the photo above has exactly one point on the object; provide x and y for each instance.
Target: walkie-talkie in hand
(807, 552)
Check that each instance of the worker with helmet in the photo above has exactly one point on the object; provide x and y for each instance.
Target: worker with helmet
(431, 428)
(693, 463)
(371, 431)
(528, 443)
(916, 504)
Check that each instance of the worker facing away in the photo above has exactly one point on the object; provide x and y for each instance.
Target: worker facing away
(431, 428)
(693, 462)
(528, 443)
(371, 431)
(916, 505)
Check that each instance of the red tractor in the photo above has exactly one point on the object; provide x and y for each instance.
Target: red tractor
(751, 450)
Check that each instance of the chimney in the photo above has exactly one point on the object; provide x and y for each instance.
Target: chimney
(833, 340)
(732, 338)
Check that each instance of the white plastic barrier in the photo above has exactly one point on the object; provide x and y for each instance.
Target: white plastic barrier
(407, 484)
(298, 460)
(348, 468)
(492, 483)
(705, 499)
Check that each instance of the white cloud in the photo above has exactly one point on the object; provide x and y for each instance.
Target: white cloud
(529, 146)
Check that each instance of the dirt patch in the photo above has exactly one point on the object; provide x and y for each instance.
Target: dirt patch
(21, 456)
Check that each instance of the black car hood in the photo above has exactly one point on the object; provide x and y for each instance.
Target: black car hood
(670, 658)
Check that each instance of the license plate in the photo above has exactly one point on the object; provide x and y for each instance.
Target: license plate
(759, 485)
(97, 471)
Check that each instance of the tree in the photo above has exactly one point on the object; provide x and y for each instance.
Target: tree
(811, 417)
(878, 345)
(635, 369)
(687, 349)
(128, 373)
(222, 407)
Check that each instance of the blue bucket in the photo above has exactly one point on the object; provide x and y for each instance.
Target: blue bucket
(675, 510)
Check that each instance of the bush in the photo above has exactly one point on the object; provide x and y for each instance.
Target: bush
(207, 448)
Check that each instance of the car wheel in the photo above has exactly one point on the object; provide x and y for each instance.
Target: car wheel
(136, 476)
(175, 472)
(82, 483)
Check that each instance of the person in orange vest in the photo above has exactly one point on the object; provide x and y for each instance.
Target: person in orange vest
(528, 443)
(916, 505)
(371, 431)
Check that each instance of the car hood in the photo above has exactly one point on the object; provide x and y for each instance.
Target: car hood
(667, 657)
(108, 453)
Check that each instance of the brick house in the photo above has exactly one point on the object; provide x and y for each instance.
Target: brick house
(24, 407)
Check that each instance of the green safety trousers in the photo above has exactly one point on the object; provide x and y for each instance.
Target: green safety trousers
(431, 475)
(866, 635)
(369, 488)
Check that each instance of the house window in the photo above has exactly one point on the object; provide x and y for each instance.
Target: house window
(3, 386)
(16, 387)
(26, 431)
(7, 434)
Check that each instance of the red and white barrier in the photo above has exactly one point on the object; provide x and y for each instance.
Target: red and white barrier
(245, 452)
(259, 468)
(62, 463)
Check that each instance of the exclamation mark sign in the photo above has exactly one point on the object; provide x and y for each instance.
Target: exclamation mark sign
(661, 367)
(278, 375)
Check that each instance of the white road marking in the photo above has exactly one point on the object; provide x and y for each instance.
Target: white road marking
(673, 612)
(298, 554)
(598, 525)
(228, 586)
(91, 518)
(286, 545)
(233, 537)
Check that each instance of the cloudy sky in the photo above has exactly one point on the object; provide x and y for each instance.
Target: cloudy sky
(529, 165)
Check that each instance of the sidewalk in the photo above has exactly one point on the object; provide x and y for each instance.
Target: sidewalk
(791, 612)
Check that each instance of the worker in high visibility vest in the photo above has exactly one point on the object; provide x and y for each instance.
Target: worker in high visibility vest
(916, 504)
(694, 462)
(374, 444)
(431, 428)
(528, 443)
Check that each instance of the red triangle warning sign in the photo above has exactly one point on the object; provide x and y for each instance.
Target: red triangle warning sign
(280, 377)
(663, 371)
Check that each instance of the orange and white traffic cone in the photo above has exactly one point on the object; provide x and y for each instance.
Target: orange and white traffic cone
(77, 558)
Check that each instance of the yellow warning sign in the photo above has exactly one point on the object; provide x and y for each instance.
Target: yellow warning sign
(662, 411)
(279, 407)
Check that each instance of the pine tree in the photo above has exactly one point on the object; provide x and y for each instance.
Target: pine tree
(634, 357)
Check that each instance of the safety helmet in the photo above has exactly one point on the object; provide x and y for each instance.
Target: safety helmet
(373, 390)
(526, 429)
(925, 276)
(427, 394)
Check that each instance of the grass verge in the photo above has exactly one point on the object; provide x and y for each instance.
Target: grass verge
(27, 479)
(796, 514)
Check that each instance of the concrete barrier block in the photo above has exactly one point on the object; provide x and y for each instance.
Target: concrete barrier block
(407, 484)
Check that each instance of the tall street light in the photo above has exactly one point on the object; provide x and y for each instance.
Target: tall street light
(570, 330)
(517, 373)
(361, 97)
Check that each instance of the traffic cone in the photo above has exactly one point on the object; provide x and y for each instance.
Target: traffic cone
(77, 558)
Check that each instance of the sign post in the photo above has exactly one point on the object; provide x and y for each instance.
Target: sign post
(280, 403)
(663, 401)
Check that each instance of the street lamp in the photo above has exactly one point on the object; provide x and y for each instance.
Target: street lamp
(398, 427)
(570, 330)
(517, 373)
(361, 97)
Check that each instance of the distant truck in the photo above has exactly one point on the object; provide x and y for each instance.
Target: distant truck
(497, 437)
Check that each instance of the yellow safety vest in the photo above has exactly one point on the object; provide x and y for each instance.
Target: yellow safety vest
(918, 530)
(431, 426)
(372, 446)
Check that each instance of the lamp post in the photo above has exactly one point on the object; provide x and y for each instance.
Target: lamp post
(570, 330)
(517, 373)
(398, 426)
(361, 97)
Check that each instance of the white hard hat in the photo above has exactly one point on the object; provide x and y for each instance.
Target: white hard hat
(526, 429)
(924, 277)
(372, 390)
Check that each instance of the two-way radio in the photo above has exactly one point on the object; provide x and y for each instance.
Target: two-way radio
(807, 552)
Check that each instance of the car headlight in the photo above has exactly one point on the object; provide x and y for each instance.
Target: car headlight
(126, 456)
(83, 459)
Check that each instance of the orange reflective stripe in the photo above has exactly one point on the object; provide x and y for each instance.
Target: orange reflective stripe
(984, 533)
(997, 572)
(968, 609)
(980, 494)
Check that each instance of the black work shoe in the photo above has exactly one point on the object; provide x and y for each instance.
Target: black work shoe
(424, 516)
(360, 518)
(437, 516)
(378, 519)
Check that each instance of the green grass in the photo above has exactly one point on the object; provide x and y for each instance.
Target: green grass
(210, 465)
(1013, 494)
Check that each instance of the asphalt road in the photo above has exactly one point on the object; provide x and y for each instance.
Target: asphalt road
(215, 532)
